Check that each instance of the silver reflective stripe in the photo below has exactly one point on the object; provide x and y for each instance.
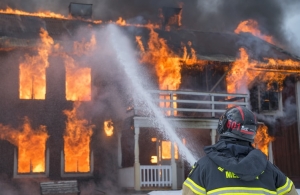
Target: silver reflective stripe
(286, 187)
(194, 187)
(241, 190)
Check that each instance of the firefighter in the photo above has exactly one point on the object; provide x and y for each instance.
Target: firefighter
(233, 165)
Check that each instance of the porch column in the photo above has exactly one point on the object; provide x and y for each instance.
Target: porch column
(213, 134)
(119, 149)
(270, 153)
(173, 167)
(298, 109)
(137, 178)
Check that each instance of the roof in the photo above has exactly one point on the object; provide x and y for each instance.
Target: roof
(23, 31)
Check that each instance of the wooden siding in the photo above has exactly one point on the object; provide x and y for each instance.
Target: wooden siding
(286, 153)
(286, 145)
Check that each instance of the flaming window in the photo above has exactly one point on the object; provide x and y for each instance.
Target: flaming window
(31, 147)
(77, 143)
(33, 70)
(166, 150)
(78, 78)
(78, 84)
(31, 150)
(32, 82)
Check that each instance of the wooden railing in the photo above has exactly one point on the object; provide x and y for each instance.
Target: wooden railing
(156, 176)
(193, 104)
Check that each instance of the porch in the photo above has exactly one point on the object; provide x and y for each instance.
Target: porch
(184, 110)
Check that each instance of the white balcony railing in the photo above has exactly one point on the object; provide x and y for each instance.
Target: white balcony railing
(156, 176)
(194, 104)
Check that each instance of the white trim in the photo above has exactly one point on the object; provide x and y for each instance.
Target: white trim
(156, 176)
(30, 175)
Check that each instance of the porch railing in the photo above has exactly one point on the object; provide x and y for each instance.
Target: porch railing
(156, 176)
(193, 104)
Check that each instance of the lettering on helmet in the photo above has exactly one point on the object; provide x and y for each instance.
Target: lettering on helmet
(233, 125)
(246, 131)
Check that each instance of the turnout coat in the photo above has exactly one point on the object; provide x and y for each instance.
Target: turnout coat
(236, 168)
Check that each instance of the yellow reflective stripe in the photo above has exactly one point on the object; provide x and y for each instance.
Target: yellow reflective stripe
(241, 190)
(231, 193)
(286, 187)
(194, 187)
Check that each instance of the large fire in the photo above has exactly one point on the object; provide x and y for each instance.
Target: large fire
(167, 64)
(77, 139)
(78, 79)
(238, 77)
(262, 139)
(244, 71)
(251, 26)
(33, 70)
(31, 146)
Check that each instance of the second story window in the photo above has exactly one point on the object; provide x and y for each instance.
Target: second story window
(266, 98)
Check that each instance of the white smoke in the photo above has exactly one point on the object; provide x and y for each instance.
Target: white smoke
(291, 26)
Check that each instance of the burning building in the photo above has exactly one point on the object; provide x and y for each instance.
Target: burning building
(66, 112)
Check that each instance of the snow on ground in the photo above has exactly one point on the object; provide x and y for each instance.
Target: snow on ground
(174, 192)
(178, 192)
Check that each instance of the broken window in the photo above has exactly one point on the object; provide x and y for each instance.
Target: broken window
(265, 98)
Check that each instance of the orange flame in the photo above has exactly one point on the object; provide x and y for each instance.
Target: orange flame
(166, 150)
(31, 146)
(167, 64)
(83, 47)
(33, 70)
(238, 76)
(251, 26)
(108, 128)
(78, 79)
(262, 139)
(121, 21)
(140, 44)
(45, 14)
(77, 139)
(78, 82)
(244, 71)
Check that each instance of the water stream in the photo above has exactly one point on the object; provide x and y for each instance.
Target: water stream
(126, 59)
